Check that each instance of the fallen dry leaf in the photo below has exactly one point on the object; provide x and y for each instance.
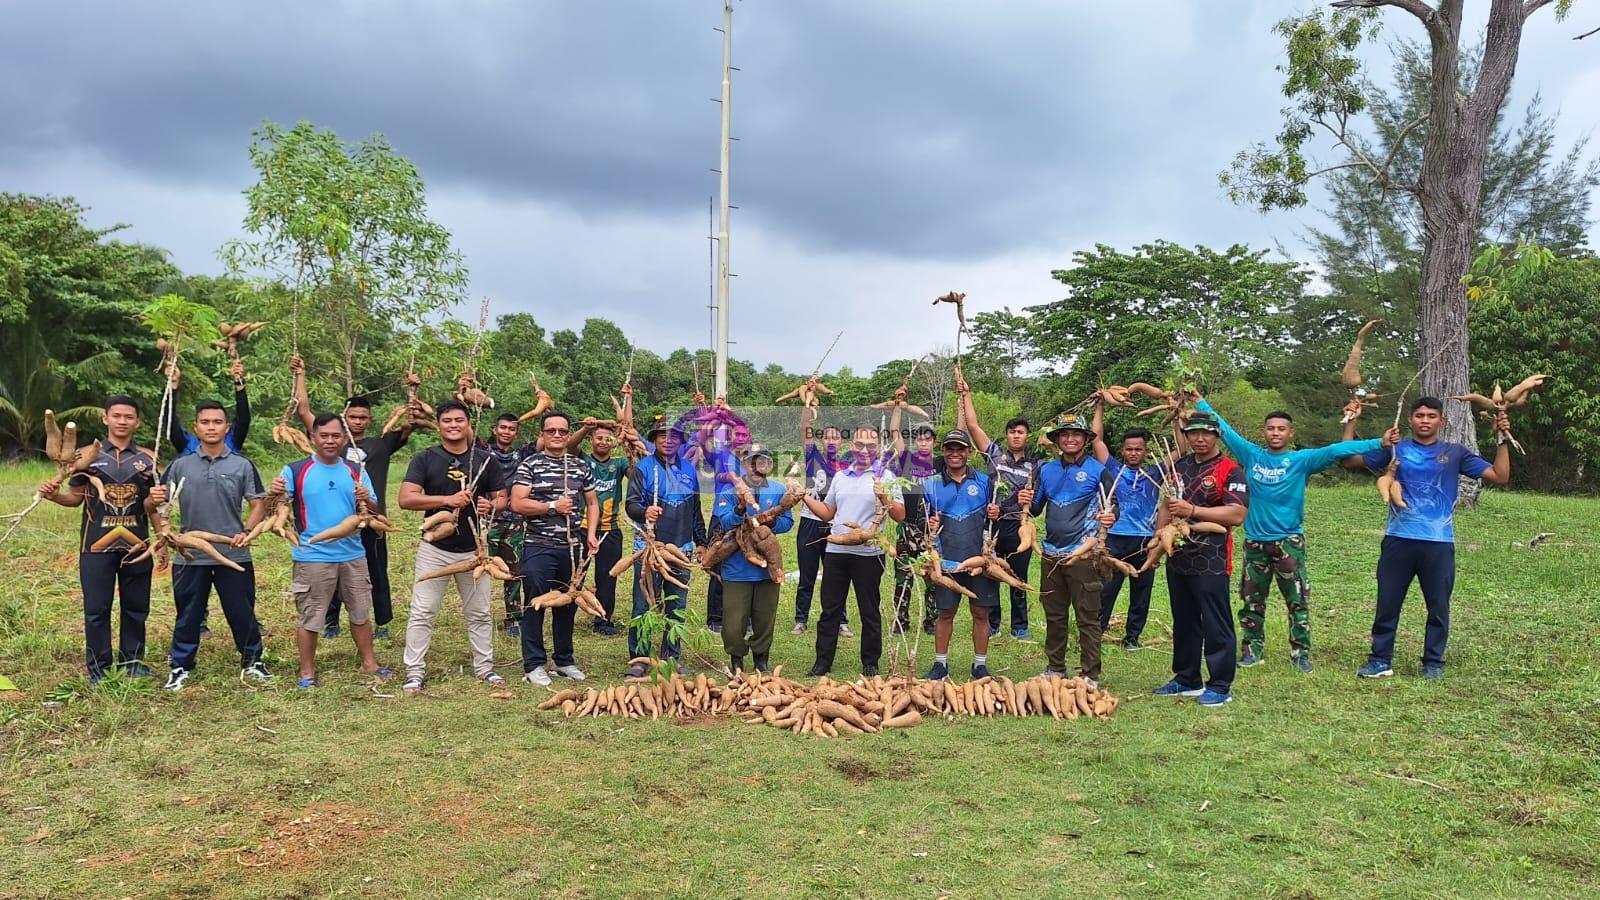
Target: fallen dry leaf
(502, 695)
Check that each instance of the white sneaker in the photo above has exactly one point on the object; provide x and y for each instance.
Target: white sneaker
(799, 628)
(844, 630)
(256, 671)
(178, 678)
(1093, 685)
(573, 672)
(537, 676)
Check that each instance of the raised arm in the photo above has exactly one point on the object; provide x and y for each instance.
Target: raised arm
(302, 400)
(969, 414)
(241, 406)
(1102, 453)
(1241, 448)
(1501, 471)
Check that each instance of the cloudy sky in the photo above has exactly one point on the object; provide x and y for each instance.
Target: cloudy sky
(889, 151)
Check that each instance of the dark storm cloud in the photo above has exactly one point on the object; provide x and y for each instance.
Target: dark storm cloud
(937, 130)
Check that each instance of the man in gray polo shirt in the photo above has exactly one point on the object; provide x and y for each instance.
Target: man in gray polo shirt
(217, 483)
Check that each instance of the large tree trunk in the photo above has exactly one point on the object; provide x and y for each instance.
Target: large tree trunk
(1451, 193)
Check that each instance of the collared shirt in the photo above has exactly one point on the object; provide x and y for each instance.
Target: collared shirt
(1069, 495)
(1218, 481)
(1136, 493)
(962, 507)
(675, 487)
(215, 488)
(768, 494)
(549, 478)
(117, 524)
(1012, 472)
(1429, 478)
(851, 494)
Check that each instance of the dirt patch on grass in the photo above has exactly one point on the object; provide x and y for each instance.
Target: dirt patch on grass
(321, 830)
(467, 817)
(861, 771)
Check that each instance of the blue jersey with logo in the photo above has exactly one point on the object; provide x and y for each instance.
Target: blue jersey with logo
(962, 507)
(1137, 492)
(327, 496)
(768, 495)
(1278, 480)
(1069, 495)
(1428, 481)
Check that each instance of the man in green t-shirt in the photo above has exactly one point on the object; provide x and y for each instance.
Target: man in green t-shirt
(608, 468)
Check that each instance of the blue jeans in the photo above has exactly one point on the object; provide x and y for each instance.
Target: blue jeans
(1433, 565)
(544, 569)
(236, 591)
(674, 597)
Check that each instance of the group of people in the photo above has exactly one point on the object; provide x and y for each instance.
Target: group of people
(553, 510)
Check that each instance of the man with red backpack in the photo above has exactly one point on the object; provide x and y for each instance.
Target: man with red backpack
(325, 489)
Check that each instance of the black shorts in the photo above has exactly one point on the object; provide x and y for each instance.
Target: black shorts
(988, 592)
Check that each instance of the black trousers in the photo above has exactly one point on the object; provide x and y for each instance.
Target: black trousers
(545, 568)
(236, 592)
(378, 570)
(605, 584)
(1006, 539)
(1433, 565)
(1202, 623)
(811, 543)
(1130, 549)
(714, 598)
(843, 572)
(102, 577)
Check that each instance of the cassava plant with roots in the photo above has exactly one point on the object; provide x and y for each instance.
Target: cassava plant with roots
(61, 447)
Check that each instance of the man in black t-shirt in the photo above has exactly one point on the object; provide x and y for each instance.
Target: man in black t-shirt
(456, 474)
(116, 527)
(373, 452)
(1214, 490)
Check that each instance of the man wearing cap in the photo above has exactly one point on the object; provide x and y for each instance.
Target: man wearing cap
(960, 512)
(1213, 489)
(749, 595)
(1068, 493)
(1013, 467)
(1274, 527)
(664, 501)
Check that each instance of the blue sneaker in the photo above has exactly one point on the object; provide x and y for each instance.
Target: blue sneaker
(980, 671)
(381, 633)
(1303, 663)
(1021, 634)
(1212, 698)
(1433, 671)
(1249, 659)
(331, 632)
(513, 629)
(1176, 688)
(1375, 669)
(938, 672)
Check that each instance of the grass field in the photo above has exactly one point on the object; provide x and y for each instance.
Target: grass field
(1483, 784)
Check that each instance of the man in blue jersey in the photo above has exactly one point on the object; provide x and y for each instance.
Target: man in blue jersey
(1274, 528)
(960, 512)
(325, 489)
(1068, 492)
(1136, 488)
(1420, 540)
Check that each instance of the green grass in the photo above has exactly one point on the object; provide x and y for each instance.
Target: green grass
(1482, 784)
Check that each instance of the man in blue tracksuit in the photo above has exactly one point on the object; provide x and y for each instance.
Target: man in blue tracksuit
(749, 595)
(1274, 528)
(663, 500)
(1136, 488)
(1420, 540)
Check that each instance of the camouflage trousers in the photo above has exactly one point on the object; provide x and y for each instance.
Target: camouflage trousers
(505, 541)
(1284, 562)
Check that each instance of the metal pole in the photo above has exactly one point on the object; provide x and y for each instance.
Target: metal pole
(721, 388)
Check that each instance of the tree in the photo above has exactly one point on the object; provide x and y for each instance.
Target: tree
(68, 298)
(1330, 95)
(345, 227)
(1547, 322)
(1002, 343)
(1130, 316)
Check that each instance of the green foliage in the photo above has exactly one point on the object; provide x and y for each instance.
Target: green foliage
(1546, 321)
(68, 300)
(191, 325)
(993, 413)
(1131, 316)
(344, 228)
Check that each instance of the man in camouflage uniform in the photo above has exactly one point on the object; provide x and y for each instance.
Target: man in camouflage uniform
(506, 528)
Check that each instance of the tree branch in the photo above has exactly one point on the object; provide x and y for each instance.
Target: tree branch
(1400, 140)
(1416, 7)
(1587, 33)
(1530, 6)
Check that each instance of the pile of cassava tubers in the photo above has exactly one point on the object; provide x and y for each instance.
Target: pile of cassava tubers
(831, 708)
